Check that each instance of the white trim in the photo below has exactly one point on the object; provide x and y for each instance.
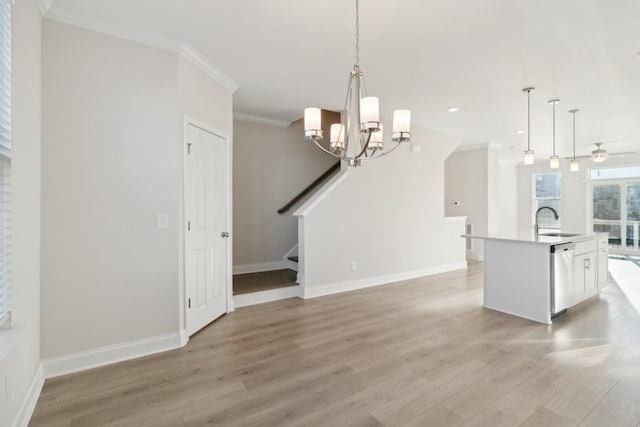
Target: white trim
(183, 49)
(211, 129)
(102, 27)
(290, 265)
(475, 256)
(184, 337)
(76, 362)
(388, 279)
(253, 298)
(30, 399)
(202, 62)
(244, 117)
(321, 194)
(258, 267)
(44, 6)
(286, 262)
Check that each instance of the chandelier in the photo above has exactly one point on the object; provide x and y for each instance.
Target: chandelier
(359, 136)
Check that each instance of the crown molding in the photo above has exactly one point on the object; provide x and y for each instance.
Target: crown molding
(44, 6)
(237, 115)
(201, 61)
(183, 49)
(113, 30)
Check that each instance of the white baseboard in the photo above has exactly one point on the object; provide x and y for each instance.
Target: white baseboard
(253, 298)
(473, 256)
(257, 268)
(30, 399)
(352, 285)
(76, 362)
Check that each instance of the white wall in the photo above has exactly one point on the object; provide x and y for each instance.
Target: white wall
(575, 204)
(507, 192)
(20, 365)
(467, 181)
(111, 136)
(387, 216)
(271, 166)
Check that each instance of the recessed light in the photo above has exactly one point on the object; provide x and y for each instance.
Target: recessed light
(453, 109)
(520, 131)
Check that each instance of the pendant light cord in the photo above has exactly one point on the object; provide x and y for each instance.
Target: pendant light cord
(528, 120)
(358, 33)
(554, 129)
(574, 134)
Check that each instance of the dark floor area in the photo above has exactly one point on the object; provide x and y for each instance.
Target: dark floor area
(265, 280)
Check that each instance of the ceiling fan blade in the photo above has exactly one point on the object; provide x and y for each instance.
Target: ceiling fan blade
(588, 156)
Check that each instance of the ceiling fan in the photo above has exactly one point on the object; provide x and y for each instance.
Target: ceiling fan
(599, 155)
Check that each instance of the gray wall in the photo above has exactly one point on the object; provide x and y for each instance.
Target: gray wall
(112, 132)
(467, 181)
(386, 216)
(270, 165)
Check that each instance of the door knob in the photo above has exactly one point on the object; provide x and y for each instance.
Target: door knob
(224, 234)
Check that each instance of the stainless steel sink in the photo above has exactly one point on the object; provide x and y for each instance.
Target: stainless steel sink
(558, 234)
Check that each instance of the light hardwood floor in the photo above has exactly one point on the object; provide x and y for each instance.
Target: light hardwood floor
(420, 353)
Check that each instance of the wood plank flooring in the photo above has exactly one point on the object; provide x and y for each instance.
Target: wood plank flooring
(263, 281)
(420, 353)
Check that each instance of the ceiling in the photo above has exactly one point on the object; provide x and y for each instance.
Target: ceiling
(421, 55)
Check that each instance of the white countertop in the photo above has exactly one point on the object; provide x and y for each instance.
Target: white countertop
(527, 235)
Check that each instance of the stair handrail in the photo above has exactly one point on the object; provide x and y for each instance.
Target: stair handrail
(309, 188)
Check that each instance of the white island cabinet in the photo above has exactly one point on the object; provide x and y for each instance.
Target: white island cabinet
(519, 271)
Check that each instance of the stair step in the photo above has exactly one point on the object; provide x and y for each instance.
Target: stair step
(293, 258)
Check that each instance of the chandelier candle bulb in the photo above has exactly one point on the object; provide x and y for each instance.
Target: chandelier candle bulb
(337, 135)
(369, 112)
(376, 139)
(312, 123)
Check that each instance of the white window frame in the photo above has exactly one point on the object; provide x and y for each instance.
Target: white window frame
(623, 206)
(534, 198)
(5, 167)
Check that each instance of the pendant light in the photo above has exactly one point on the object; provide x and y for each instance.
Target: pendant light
(554, 161)
(575, 164)
(528, 154)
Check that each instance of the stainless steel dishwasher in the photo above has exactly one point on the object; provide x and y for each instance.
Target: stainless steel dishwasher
(561, 277)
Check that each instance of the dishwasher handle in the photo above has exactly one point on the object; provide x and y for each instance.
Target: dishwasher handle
(563, 247)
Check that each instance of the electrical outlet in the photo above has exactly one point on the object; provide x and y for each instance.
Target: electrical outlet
(354, 266)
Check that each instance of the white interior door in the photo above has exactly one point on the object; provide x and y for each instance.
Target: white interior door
(206, 248)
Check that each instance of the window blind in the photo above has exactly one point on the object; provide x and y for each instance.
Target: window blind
(5, 161)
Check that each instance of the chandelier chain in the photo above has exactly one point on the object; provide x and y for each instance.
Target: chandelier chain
(357, 32)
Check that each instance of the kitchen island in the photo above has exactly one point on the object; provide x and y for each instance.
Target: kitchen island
(523, 277)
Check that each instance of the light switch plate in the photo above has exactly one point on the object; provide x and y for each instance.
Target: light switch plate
(162, 220)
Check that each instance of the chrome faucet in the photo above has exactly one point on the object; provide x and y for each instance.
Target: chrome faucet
(555, 215)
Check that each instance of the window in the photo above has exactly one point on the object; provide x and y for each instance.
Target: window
(547, 191)
(616, 206)
(5, 162)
